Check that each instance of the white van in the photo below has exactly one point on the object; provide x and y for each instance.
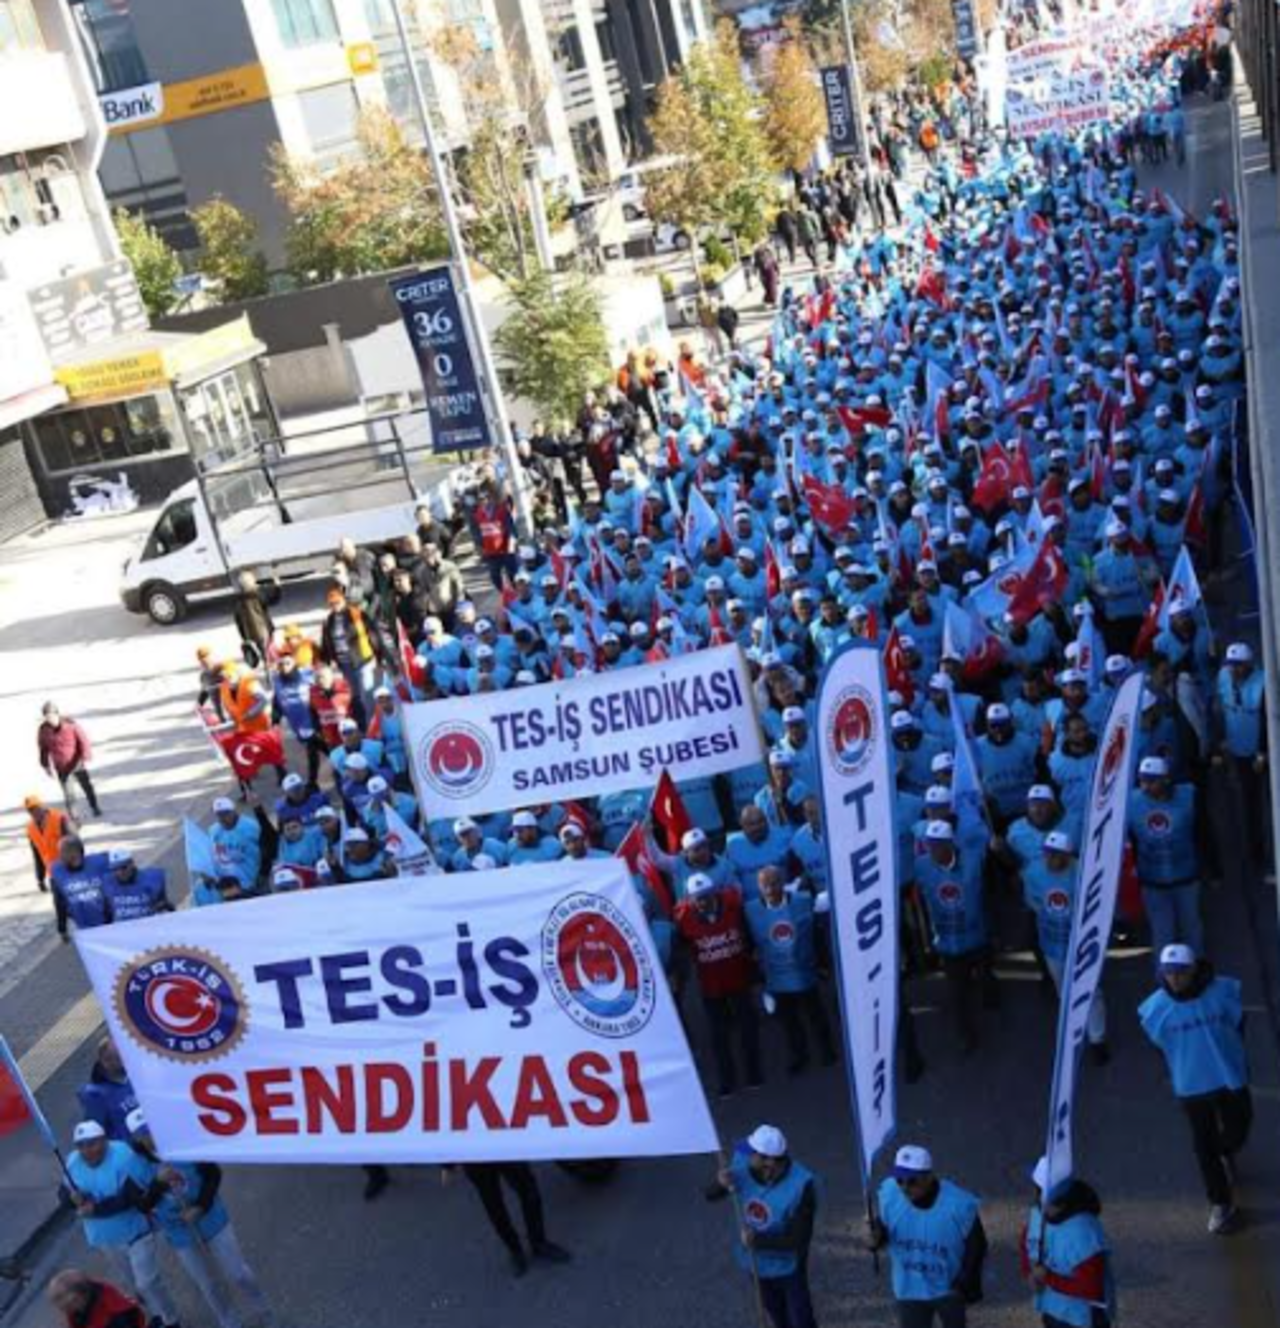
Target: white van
(629, 187)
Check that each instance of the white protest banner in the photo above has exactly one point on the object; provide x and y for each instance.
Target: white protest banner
(1101, 852)
(519, 1014)
(604, 733)
(1058, 101)
(1036, 58)
(412, 854)
(858, 791)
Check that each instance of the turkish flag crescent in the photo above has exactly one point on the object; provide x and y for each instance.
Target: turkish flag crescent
(896, 672)
(1044, 583)
(670, 815)
(829, 505)
(247, 753)
(634, 852)
(992, 485)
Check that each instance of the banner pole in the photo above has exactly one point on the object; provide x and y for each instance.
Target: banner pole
(761, 1316)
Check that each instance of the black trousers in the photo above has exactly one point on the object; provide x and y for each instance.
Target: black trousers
(950, 1312)
(722, 1013)
(971, 984)
(487, 1177)
(81, 776)
(797, 1007)
(1219, 1128)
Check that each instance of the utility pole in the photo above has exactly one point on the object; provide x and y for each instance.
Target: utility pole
(855, 84)
(457, 247)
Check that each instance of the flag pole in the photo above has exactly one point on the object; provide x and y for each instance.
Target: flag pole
(10, 1062)
(723, 1160)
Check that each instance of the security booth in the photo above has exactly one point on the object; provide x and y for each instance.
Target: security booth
(145, 411)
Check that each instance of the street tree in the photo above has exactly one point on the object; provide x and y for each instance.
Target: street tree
(374, 211)
(229, 255)
(795, 118)
(553, 345)
(154, 263)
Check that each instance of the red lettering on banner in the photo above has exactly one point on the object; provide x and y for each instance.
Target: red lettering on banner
(264, 1103)
(337, 1102)
(222, 1114)
(378, 1118)
(636, 1102)
(536, 1095)
(585, 1070)
(472, 1090)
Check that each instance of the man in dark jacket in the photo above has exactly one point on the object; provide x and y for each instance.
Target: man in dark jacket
(65, 752)
(253, 621)
(108, 1097)
(86, 1303)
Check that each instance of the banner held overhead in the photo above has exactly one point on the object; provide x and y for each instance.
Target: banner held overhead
(510, 1015)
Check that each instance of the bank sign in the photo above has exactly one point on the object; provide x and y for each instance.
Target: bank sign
(842, 121)
(132, 106)
(433, 319)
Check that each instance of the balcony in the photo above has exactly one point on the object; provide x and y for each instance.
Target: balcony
(38, 103)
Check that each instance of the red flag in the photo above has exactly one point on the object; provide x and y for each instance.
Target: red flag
(13, 1106)
(409, 666)
(634, 851)
(1097, 475)
(247, 753)
(992, 486)
(1194, 530)
(772, 571)
(719, 632)
(670, 816)
(829, 505)
(857, 418)
(932, 286)
(931, 241)
(1150, 624)
(577, 813)
(1045, 581)
(673, 453)
(1020, 472)
(896, 672)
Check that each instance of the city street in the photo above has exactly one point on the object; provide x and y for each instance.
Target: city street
(648, 1249)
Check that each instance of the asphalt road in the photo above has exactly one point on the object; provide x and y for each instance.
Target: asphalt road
(648, 1249)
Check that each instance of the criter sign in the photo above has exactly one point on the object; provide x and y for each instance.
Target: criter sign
(594, 735)
(517, 1014)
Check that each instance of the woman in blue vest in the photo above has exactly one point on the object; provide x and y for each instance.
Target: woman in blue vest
(1066, 1257)
(936, 1242)
(1196, 1020)
(776, 1198)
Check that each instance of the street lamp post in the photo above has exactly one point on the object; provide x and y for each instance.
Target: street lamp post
(855, 84)
(457, 247)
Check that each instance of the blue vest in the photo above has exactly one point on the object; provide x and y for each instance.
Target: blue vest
(1200, 1038)
(142, 897)
(783, 939)
(1164, 836)
(168, 1212)
(106, 1181)
(1007, 771)
(926, 1245)
(84, 890)
(747, 858)
(766, 1210)
(1067, 1245)
(1241, 708)
(1050, 895)
(953, 897)
(238, 851)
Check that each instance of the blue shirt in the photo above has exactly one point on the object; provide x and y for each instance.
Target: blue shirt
(110, 1179)
(953, 898)
(926, 1245)
(1050, 895)
(1201, 1038)
(1164, 836)
(768, 1210)
(238, 850)
(783, 937)
(747, 858)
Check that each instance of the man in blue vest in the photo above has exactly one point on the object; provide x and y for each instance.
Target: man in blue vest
(1196, 1020)
(1162, 825)
(776, 1199)
(781, 922)
(1239, 712)
(80, 882)
(936, 1242)
(133, 891)
(1066, 1256)
(108, 1097)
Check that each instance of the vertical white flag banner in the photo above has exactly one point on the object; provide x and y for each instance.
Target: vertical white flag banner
(511, 1015)
(858, 794)
(1101, 852)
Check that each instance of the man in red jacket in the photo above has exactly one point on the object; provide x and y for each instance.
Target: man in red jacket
(711, 921)
(85, 1303)
(65, 751)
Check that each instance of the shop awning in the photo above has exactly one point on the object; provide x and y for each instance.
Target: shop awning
(143, 362)
(27, 405)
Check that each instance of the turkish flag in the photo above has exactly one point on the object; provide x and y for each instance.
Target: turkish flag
(857, 418)
(931, 286)
(410, 670)
(635, 853)
(13, 1106)
(670, 816)
(1194, 530)
(772, 571)
(247, 753)
(829, 505)
(1150, 625)
(991, 488)
(1045, 581)
(896, 672)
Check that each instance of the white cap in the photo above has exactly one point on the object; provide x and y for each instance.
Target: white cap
(348, 725)
(914, 1159)
(135, 1122)
(1116, 664)
(940, 831)
(1238, 652)
(940, 682)
(484, 652)
(1177, 956)
(87, 1131)
(715, 583)
(795, 715)
(326, 813)
(357, 761)
(692, 838)
(998, 713)
(1040, 1173)
(356, 835)
(768, 1141)
(483, 862)
(291, 781)
(1041, 793)
(524, 821)
(937, 795)
(1056, 841)
(221, 805)
(571, 830)
(941, 763)
(699, 884)
(119, 857)
(1153, 767)
(463, 824)
(381, 691)
(902, 719)
(285, 878)
(378, 785)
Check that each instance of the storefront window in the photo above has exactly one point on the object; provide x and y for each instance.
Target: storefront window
(106, 30)
(107, 435)
(227, 416)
